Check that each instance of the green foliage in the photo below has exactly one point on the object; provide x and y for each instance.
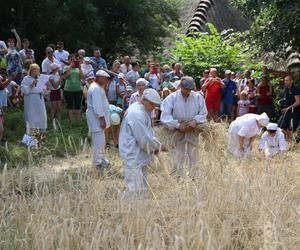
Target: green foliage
(276, 23)
(224, 50)
(117, 27)
(60, 142)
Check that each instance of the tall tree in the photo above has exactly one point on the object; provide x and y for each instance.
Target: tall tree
(115, 26)
(276, 23)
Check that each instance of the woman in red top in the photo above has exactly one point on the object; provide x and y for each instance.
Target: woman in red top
(264, 95)
(212, 88)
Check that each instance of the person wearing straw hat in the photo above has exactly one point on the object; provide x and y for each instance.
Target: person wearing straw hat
(272, 141)
(183, 111)
(137, 141)
(97, 115)
(34, 104)
(243, 131)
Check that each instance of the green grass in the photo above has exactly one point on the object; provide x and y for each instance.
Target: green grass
(59, 143)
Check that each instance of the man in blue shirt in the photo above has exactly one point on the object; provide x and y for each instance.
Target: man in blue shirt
(97, 61)
(228, 93)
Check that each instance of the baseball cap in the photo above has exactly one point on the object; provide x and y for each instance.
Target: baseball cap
(227, 72)
(121, 76)
(152, 96)
(272, 126)
(102, 73)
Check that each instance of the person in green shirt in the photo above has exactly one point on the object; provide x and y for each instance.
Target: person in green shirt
(167, 83)
(73, 88)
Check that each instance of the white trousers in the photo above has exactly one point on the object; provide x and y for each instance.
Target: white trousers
(184, 151)
(271, 151)
(136, 178)
(98, 147)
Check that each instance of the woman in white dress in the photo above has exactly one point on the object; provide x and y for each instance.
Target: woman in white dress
(243, 131)
(34, 105)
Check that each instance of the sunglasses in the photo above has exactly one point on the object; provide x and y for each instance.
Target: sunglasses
(50, 52)
(272, 131)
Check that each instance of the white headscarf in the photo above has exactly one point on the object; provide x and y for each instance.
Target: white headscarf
(263, 119)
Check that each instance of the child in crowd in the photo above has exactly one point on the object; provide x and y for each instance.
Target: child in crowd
(55, 81)
(251, 93)
(272, 141)
(113, 131)
(89, 80)
(243, 104)
(126, 98)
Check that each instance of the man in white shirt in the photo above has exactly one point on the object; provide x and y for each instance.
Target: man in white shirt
(46, 64)
(126, 66)
(183, 111)
(141, 84)
(61, 55)
(97, 115)
(137, 142)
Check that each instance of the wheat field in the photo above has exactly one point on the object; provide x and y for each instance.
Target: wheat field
(250, 203)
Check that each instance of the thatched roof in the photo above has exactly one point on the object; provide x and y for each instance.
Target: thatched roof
(218, 12)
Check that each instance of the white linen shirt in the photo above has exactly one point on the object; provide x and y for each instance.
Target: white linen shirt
(97, 106)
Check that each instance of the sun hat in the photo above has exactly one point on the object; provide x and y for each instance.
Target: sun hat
(54, 66)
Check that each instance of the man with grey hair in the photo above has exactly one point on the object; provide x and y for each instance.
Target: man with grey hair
(183, 111)
(137, 141)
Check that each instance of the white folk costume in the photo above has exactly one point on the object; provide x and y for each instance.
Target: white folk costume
(137, 144)
(177, 109)
(34, 106)
(272, 145)
(245, 126)
(97, 106)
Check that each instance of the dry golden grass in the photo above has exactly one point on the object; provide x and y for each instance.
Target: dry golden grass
(236, 204)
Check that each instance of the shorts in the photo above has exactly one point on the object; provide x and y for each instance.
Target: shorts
(55, 95)
(73, 99)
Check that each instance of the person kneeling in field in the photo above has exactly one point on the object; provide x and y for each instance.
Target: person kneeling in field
(272, 141)
(242, 133)
(137, 142)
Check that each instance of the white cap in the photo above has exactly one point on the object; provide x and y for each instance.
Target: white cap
(152, 96)
(227, 72)
(272, 126)
(102, 73)
(86, 59)
(121, 76)
(142, 80)
(263, 119)
(115, 119)
(129, 88)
